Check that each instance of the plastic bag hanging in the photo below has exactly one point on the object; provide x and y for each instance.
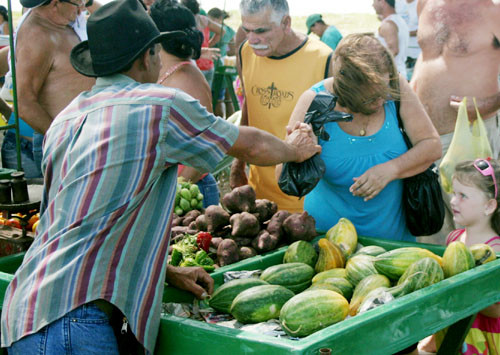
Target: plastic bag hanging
(468, 143)
(298, 179)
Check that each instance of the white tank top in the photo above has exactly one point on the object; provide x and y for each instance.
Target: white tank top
(403, 39)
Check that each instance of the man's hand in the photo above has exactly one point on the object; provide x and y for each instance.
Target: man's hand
(192, 279)
(303, 139)
(238, 176)
(487, 106)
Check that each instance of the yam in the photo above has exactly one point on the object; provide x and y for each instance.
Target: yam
(247, 252)
(240, 199)
(175, 231)
(227, 252)
(299, 226)
(216, 218)
(201, 223)
(244, 225)
(265, 209)
(190, 217)
(243, 241)
(176, 220)
(275, 224)
(214, 243)
(265, 241)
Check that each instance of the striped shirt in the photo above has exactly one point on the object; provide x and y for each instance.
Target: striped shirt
(110, 165)
(455, 235)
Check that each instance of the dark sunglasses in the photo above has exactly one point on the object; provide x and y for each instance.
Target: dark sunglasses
(485, 168)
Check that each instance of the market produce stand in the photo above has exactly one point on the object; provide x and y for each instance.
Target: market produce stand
(383, 330)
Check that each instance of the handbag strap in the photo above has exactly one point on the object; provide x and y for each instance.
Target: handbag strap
(401, 126)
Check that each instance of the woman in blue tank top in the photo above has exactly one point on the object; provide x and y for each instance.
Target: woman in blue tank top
(367, 158)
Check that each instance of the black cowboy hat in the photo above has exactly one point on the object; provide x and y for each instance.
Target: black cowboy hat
(119, 32)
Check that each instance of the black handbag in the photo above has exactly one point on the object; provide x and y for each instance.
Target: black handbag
(422, 198)
(298, 179)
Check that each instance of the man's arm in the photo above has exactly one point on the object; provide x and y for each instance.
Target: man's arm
(33, 64)
(389, 32)
(262, 148)
(238, 176)
(218, 31)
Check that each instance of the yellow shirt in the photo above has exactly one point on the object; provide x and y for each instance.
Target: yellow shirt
(272, 87)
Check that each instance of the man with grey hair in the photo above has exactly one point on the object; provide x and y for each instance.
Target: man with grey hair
(276, 65)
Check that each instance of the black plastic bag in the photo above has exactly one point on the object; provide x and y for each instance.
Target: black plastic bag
(423, 203)
(422, 198)
(298, 179)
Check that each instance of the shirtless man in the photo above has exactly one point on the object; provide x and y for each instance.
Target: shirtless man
(46, 81)
(460, 57)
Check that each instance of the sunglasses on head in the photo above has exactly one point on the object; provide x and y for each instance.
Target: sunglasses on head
(485, 168)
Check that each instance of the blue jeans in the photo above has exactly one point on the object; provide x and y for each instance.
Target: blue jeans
(37, 149)
(85, 330)
(210, 190)
(31, 168)
(209, 75)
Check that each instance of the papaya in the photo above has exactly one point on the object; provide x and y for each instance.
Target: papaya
(330, 256)
(457, 258)
(482, 253)
(344, 235)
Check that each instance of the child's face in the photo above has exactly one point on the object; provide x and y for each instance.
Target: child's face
(468, 204)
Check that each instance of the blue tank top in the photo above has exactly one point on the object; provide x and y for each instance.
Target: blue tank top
(347, 156)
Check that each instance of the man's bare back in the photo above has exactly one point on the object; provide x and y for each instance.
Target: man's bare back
(46, 80)
(460, 57)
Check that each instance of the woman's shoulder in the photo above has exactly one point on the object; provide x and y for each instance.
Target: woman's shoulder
(323, 85)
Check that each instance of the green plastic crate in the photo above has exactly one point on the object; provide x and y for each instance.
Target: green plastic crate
(384, 330)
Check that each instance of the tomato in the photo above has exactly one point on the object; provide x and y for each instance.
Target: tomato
(35, 225)
(13, 222)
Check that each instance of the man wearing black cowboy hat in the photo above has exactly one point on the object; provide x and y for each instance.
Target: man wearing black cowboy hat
(110, 166)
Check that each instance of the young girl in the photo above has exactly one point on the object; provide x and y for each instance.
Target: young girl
(475, 205)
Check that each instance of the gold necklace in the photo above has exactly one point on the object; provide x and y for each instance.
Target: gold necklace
(362, 131)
